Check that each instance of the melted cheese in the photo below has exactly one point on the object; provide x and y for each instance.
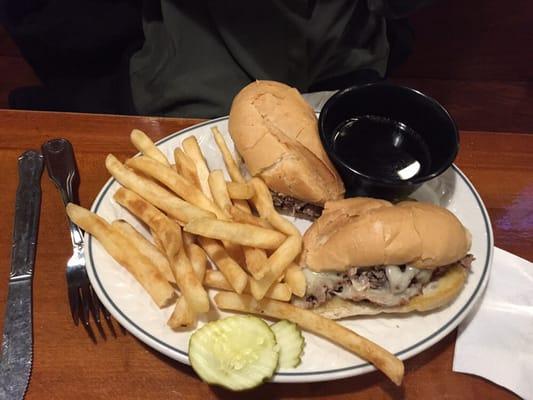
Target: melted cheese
(399, 280)
(398, 290)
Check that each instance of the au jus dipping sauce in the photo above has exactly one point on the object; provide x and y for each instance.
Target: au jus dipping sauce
(380, 147)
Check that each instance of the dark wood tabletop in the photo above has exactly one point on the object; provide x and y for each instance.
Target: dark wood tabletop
(68, 365)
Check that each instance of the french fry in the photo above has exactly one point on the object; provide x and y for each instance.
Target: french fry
(382, 359)
(127, 255)
(216, 280)
(157, 242)
(236, 176)
(254, 258)
(231, 270)
(230, 163)
(185, 167)
(166, 230)
(189, 284)
(295, 280)
(182, 316)
(256, 262)
(246, 218)
(198, 259)
(192, 149)
(145, 247)
(235, 251)
(153, 193)
(264, 205)
(188, 238)
(231, 166)
(175, 182)
(242, 205)
(240, 191)
(145, 145)
(169, 233)
(217, 185)
(236, 232)
(276, 264)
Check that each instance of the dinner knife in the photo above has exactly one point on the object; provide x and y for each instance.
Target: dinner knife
(17, 341)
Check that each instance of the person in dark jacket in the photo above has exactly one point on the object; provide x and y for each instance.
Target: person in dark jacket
(191, 57)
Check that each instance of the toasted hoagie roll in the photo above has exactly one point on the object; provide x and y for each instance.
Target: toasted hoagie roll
(366, 256)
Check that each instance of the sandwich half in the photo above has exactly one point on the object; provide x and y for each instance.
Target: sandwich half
(276, 133)
(367, 256)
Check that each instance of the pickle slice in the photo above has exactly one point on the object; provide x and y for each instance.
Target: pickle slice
(238, 352)
(291, 343)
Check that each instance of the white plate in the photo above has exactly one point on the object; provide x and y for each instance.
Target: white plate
(405, 336)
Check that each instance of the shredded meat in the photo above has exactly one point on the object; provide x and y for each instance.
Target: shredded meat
(370, 283)
(356, 284)
(375, 277)
(467, 260)
(288, 205)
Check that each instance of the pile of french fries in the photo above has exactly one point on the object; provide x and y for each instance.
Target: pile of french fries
(194, 214)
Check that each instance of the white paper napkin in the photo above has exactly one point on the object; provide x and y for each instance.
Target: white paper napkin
(496, 340)
(317, 99)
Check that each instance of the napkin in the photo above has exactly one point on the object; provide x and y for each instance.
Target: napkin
(496, 340)
(317, 99)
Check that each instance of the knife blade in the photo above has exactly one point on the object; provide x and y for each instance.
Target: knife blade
(17, 340)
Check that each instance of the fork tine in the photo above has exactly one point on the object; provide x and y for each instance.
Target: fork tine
(100, 329)
(111, 328)
(73, 300)
(107, 316)
(97, 308)
(94, 305)
(85, 302)
(90, 332)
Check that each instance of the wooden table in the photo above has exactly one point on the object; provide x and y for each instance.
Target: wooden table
(67, 365)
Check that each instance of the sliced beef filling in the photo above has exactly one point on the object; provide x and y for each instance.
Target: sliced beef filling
(466, 261)
(288, 205)
(385, 285)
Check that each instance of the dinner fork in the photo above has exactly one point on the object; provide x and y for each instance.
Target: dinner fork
(61, 166)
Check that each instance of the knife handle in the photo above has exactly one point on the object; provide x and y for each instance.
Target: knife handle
(27, 212)
(30, 164)
(61, 166)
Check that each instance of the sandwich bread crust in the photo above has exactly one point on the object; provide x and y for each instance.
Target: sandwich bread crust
(368, 232)
(276, 133)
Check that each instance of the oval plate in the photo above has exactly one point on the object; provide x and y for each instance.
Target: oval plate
(404, 335)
